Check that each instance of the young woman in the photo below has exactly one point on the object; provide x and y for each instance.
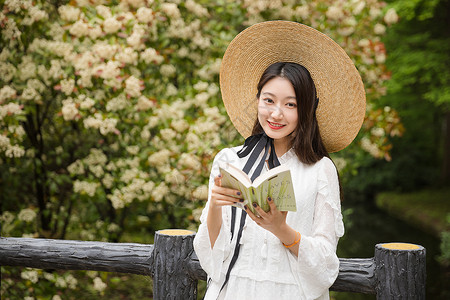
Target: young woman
(278, 255)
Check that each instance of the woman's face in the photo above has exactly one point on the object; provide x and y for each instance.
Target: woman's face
(277, 110)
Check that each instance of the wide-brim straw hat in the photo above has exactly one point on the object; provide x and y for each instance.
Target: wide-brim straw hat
(342, 101)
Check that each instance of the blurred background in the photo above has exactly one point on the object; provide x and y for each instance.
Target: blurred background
(110, 116)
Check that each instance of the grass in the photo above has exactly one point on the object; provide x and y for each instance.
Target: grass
(425, 209)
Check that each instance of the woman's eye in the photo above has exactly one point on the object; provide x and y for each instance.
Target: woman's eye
(291, 105)
(268, 100)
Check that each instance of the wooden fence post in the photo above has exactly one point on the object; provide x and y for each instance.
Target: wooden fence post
(400, 271)
(171, 255)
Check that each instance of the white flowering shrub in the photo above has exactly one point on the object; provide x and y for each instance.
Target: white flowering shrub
(110, 111)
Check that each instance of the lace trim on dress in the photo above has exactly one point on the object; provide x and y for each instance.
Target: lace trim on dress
(328, 186)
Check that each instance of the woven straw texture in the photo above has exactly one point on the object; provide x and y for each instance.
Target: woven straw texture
(339, 86)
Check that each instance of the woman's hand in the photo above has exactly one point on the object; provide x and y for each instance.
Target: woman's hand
(273, 220)
(221, 196)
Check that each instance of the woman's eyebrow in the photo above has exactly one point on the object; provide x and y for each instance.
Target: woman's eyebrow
(273, 95)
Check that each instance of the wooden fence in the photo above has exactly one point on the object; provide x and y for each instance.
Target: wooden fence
(397, 271)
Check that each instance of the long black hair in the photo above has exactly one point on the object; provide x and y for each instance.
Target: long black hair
(306, 139)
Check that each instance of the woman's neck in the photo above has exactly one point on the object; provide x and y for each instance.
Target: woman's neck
(281, 146)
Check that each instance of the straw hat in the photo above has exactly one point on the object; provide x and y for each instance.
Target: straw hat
(342, 102)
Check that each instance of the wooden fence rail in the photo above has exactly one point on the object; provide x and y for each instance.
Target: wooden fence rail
(396, 272)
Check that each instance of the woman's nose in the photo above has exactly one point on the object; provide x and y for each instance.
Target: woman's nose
(277, 112)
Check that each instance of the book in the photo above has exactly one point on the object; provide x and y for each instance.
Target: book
(275, 183)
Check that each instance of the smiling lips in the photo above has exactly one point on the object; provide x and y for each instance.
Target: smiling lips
(275, 126)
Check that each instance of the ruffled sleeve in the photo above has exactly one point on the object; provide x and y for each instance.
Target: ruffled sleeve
(211, 259)
(317, 264)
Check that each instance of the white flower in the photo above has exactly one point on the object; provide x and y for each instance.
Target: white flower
(180, 125)
(27, 215)
(69, 110)
(79, 28)
(108, 180)
(5, 53)
(135, 39)
(110, 70)
(190, 161)
(108, 125)
(87, 103)
(56, 297)
(10, 109)
(151, 56)
(159, 158)
(196, 8)
(67, 86)
(7, 92)
(4, 142)
(160, 192)
(168, 134)
(364, 43)
(69, 13)
(171, 9)
(71, 281)
(391, 16)
(30, 275)
(117, 103)
(171, 90)
(95, 32)
(370, 147)
(201, 193)
(84, 187)
(334, 13)
(36, 84)
(103, 11)
(104, 50)
(175, 177)
(111, 25)
(144, 15)
(76, 168)
(380, 58)
(127, 56)
(144, 103)
(7, 71)
(379, 29)
(201, 86)
(133, 86)
(375, 12)
(377, 131)
(14, 151)
(357, 9)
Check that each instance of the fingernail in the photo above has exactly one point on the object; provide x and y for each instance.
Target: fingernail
(220, 176)
(245, 207)
(238, 193)
(254, 204)
(269, 199)
(242, 200)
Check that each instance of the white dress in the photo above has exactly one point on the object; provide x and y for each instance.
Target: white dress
(265, 269)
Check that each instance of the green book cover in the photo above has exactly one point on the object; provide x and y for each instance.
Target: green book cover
(275, 183)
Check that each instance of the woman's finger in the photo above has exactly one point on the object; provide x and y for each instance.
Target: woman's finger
(273, 207)
(227, 191)
(217, 180)
(252, 215)
(259, 210)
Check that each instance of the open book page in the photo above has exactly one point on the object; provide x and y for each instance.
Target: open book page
(276, 183)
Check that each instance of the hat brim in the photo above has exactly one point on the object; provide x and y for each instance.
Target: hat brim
(342, 101)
